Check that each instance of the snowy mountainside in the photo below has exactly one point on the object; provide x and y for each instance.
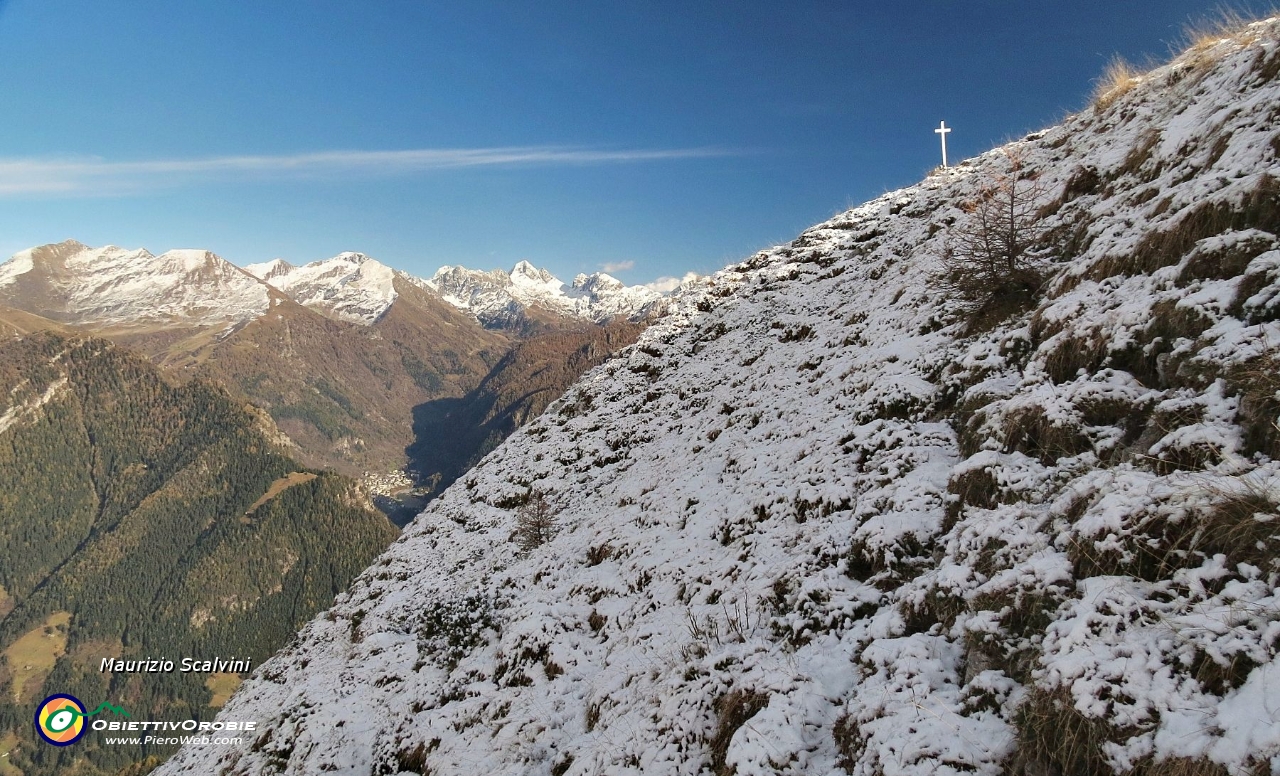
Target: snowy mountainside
(350, 286)
(73, 283)
(495, 295)
(816, 521)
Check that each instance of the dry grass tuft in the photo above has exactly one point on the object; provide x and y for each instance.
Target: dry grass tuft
(1200, 37)
(849, 742)
(1117, 80)
(1080, 352)
(1243, 525)
(1258, 209)
(734, 709)
(973, 488)
(1053, 737)
(1032, 432)
(1223, 263)
(1258, 382)
(413, 760)
(938, 607)
(1181, 766)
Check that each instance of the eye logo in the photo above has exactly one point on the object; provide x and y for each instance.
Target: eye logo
(60, 719)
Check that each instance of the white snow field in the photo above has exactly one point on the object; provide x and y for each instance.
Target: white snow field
(810, 524)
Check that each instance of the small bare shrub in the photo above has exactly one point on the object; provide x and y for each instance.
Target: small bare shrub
(986, 261)
(535, 522)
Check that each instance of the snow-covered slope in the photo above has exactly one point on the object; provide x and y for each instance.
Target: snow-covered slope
(808, 524)
(350, 286)
(73, 283)
(496, 295)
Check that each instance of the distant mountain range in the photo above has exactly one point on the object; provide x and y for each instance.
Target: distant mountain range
(509, 299)
(72, 283)
(339, 351)
(357, 288)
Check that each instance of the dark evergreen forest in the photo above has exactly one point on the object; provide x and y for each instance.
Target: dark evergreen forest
(164, 521)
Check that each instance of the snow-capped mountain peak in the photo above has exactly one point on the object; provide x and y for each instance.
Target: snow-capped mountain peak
(596, 283)
(351, 286)
(495, 295)
(269, 270)
(524, 271)
(73, 283)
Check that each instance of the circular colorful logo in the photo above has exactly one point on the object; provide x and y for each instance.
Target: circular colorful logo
(60, 719)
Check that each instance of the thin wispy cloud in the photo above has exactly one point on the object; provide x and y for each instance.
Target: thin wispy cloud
(617, 266)
(93, 176)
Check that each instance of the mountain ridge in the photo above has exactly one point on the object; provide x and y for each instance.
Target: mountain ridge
(339, 351)
(77, 285)
(80, 285)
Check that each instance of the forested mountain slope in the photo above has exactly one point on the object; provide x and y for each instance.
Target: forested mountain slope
(345, 392)
(843, 510)
(140, 520)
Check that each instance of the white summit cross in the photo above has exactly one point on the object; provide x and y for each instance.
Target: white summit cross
(942, 131)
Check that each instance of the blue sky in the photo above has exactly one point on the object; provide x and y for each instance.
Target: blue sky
(655, 138)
